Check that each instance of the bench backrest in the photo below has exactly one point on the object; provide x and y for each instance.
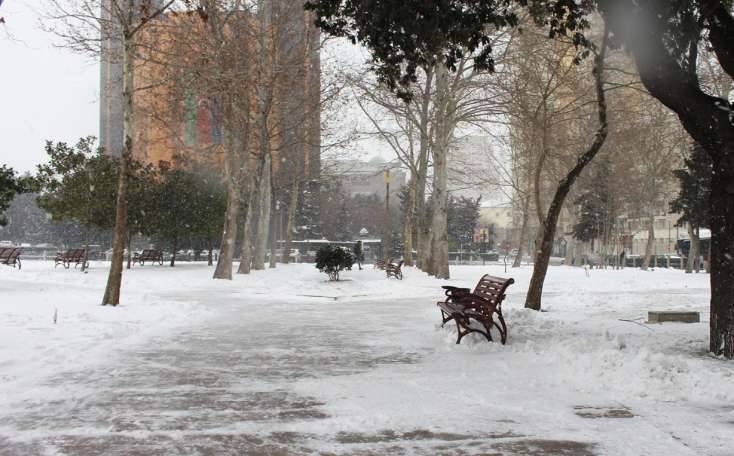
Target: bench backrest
(5, 252)
(74, 254)
(151, 253)
(492, 288)
(15, 254)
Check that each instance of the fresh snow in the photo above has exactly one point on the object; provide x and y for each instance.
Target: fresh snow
(284, 362)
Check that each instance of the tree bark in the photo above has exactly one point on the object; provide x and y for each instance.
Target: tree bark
(517, 262)
(114, 279)
(209, 256)
(542, 258)
(722, 262)
(291, 220)
(261, 239)
(129, 249)
(246, 244)
(174, 247)
(273, 233)
(650, 244)
(408, 225)
(439, 258)
(226, 250)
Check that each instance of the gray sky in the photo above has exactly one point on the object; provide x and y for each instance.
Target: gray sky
(45, 92)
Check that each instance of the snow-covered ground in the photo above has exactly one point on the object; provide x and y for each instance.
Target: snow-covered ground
(284, 362)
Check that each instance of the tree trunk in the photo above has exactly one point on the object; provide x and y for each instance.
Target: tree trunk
(692, 249)
(114, 280)
(291, 220)
(423, 236)
(129, 249)
(209, 259)
(226, 249)
(439, 256)
(409, 223)
(174, 247)
(517, 262)
(232, 170)
(261, 239)
(722, 261)
(650, 244)
(246, 245)
(542, 259)
(274, 213)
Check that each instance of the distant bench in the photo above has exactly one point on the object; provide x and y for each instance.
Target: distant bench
(474, 311)
(394, 270)
(10, 256)
(71, 256)
(382, 264)
(150, 255)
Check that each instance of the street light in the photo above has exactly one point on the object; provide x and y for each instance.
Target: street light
(386, 239)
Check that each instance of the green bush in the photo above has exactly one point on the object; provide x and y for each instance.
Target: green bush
(331, 260)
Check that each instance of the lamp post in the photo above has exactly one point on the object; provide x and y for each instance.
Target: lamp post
(90, 186)
(387, 236)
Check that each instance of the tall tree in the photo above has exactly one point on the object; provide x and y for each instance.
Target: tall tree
(86, 25)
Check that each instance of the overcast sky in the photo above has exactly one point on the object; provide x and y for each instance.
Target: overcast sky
(50, 93)
(45, 92)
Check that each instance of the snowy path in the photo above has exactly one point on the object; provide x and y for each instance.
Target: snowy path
(340, 369)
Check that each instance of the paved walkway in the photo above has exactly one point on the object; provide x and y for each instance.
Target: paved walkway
(225, 387)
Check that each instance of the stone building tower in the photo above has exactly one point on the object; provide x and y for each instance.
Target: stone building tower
(110, 84)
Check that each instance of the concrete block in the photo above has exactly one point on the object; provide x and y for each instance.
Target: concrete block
(671, 315)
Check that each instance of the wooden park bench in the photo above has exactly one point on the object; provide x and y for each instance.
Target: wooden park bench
(72, 256)
(150, 255)
(10, 256)
(382, 264)
(394, 270)
(474, 311)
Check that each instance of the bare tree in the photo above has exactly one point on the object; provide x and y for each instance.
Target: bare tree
(112, 26)
(543, 253)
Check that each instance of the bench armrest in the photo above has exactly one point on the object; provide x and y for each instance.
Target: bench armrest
(454, 292)
(450, 288)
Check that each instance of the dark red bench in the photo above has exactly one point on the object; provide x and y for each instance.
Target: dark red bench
(71, 256)
(150, 255)
(475, 311)
(394, 270)
(382, 264)
(10, 256)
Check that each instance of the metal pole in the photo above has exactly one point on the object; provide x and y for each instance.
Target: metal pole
(387, 236)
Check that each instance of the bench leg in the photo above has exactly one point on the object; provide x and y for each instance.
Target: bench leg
(502, 327)
(445, 318)
(466, 324)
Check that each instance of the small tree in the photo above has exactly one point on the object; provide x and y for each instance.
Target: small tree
(9, 186)
(463, 217)
(331, 260)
